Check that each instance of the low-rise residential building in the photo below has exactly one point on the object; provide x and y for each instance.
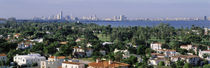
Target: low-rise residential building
(3, 57)
(53, 62)
(68, 64)
(167, 52)
(157, 55)
(81, 51)
(107, 43)
(107, 64)
(24, 45)
(204, 54)
(156, 61)
(89, 45)
(28, 59)
(155, 46)
(125, 52)
(40, 40)
(189, 47)
(192, 59)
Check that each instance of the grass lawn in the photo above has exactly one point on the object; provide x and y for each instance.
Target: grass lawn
(103, 37)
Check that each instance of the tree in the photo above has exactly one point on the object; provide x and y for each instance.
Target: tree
(206, 66)
(187, 65)
(141, 50)
(161, 63)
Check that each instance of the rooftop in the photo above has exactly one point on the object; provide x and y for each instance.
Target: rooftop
(76, 63)
(3, 54)
(106, 64)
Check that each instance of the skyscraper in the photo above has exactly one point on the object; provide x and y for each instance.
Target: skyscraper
(60, 16)
(205, 18)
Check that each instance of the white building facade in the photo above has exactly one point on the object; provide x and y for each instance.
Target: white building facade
(28, 59)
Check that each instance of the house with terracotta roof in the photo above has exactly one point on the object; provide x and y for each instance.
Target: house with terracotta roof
(17, 35)
(192, 59)
(155, 46)
(68, 64)
(53, 62)
(157, 55)
(107, 64)
(3, 57)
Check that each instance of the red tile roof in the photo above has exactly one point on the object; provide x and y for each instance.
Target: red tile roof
(105, 64)
(3, 55)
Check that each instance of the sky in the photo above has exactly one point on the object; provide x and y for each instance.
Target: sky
(23, 9)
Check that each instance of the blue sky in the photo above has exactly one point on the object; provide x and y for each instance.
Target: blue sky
(105, 8)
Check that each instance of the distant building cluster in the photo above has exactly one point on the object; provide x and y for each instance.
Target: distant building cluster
(60, 16)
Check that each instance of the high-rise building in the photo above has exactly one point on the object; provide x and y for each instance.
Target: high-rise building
(205, 18)
(60, 16)
(122, 18)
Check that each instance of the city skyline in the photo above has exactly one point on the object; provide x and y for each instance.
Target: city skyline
(25, 9)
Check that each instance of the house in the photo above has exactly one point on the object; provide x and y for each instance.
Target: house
(167, 52)
(2, 20)
(68, 64)
(107, 64)
(81, 52)
(157, 55)
(63, 43)
(156, 61)
(28, 59)
(40, 40)
(53, 62)
(125, 52)
(24, 45)
(107, 43)
(3, 57)
(89, 45)
(189, 47)
(155, 46)
(17, 35)
(192, 59)
(79, 39)
(205, 52)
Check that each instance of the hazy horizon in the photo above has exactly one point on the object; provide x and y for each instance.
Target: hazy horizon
(105, 8)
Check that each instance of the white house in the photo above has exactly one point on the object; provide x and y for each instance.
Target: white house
(167, 52)
(155, 46)
(125, 52)
(81, 51)
(40, 40)
(53, 62)
(188, 47)
(156, 61)
(72, 65)
(28, 59)
(201, 53)
(107, 43)
(192, 59)
(89, 45)
(3, 57)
